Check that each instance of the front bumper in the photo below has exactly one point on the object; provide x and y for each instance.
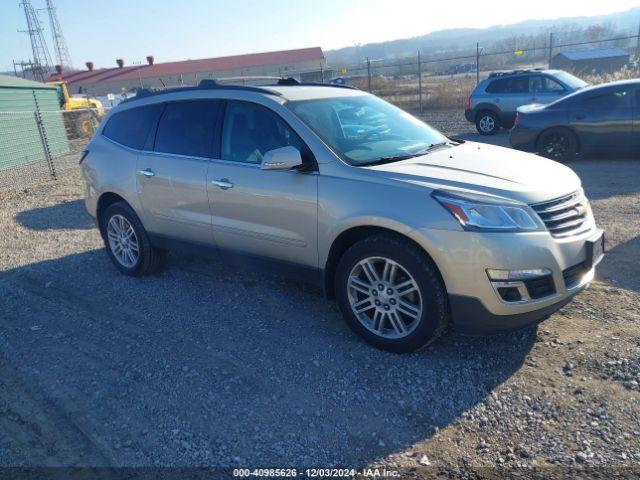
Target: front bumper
(463, 258)
(473, 318)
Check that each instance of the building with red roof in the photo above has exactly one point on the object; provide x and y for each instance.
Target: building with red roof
(308, 64)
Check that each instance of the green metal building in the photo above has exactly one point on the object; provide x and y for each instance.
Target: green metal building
(20, 135)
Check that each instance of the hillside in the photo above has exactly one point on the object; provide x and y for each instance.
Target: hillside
(528, 33)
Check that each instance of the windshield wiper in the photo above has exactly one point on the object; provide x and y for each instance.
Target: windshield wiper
(397, 158)
(432, 147)
(389, 159)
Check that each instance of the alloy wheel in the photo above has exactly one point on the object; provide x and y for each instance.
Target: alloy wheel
(556, 146)
(384, 297)
(487, 124)
(123, 241)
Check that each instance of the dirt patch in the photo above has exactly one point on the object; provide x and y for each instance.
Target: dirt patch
(203, 365)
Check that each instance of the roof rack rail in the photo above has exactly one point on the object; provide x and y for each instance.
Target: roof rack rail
(205, 84)
(293, 82)
(211, 84)
(515, 72)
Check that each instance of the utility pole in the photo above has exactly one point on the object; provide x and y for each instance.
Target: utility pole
(420, 81)
(368, 74)
(638, 45)
(41, 58)
(477, 63)
(59, 44)
(550, 47)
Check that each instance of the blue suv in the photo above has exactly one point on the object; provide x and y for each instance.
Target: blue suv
(495, 100)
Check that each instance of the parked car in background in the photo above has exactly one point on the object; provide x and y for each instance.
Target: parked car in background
(601, 119)
(495, 100)
(354, 193)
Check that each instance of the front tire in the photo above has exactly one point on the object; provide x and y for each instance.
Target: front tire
(558, 144)
(127, 242)
(391, 293)
(487, 123)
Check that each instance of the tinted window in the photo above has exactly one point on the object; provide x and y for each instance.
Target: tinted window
(187, 128)
(611, 102)
(509, 85)
(251, 130)
(638, 98)
(131, 127)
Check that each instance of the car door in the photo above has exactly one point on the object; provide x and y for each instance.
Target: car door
(270, 213)
(172, 178)
(603, 120)
(544, 89)
(509, 94)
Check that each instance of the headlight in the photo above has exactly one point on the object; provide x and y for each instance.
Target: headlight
(489, 214)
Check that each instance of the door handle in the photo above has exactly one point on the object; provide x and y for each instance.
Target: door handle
(224, 183)
(147, 172)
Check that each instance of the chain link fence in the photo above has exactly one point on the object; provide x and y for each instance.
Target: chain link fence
(38, 146)
(438, 81)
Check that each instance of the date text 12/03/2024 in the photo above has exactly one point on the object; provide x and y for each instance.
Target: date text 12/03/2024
(315, 473)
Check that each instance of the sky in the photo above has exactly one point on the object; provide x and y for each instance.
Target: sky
(102, 31)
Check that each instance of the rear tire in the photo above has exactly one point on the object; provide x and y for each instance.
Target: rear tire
(399, 305)
(487, 123)
(558, 144)
(127, 242)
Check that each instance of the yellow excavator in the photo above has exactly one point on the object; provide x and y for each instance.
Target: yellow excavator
(90, 110)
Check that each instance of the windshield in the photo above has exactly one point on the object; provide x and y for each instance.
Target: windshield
(365, 129)
(573, 82)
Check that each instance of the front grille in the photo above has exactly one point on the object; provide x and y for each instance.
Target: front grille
(565, 216)
(573, 275)
(540, 287)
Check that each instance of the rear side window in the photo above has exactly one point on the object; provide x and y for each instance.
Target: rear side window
(131, 127)
(509, 85)
(611, 102)
(188, 128)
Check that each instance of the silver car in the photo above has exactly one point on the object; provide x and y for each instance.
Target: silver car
(408, 230)
(494, 101)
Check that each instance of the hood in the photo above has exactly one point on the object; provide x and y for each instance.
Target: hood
(482, 168)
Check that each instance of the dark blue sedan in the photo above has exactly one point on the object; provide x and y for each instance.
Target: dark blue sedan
(604, 119)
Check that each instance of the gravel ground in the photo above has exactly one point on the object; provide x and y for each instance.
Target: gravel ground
(205, 366)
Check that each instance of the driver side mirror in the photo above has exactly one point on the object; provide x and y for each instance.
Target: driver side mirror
(284, 158)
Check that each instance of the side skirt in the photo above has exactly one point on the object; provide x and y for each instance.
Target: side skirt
(244, 261)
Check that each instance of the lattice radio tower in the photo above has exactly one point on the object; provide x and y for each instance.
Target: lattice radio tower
(59, 43)
(41, 59)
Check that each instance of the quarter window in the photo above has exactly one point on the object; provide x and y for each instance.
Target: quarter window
(187, 128)
(131, 127)
(251, 130)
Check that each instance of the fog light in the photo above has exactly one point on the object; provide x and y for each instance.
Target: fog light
(510, 294)
(514, 275)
